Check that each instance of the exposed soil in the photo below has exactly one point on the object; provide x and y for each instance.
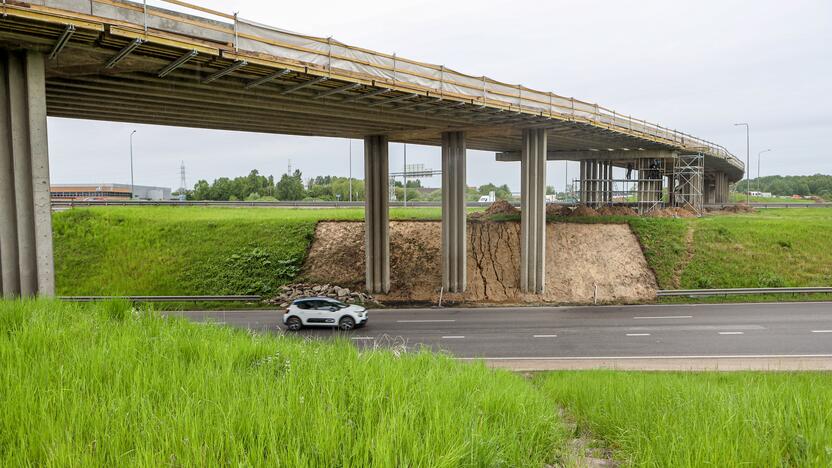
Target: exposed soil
(616, 210)
(583, 210)
(671, 212)
(498, 208)
(579, 257)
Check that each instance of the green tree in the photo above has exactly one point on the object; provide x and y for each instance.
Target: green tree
(290, 187)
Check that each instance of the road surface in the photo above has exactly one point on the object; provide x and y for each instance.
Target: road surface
(776, 336)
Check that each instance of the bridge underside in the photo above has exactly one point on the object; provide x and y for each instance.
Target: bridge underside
(82, 66)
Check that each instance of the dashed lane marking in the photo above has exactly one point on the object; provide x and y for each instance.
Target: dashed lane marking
(424, 321)
(453, 337)
(638, 334)
(544, 336)
(665, 317)
(731, 333)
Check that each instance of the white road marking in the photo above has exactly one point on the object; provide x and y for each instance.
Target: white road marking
(423, 321)
(731, 333)
(821, 331)
(453, 337)
(584, 358)
(638, 334)
(544, 336)
(665, 317)
(363, 338)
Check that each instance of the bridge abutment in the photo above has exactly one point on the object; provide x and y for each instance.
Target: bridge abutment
(26, 263)
(533, 211)
(376, 214)
(454, 215)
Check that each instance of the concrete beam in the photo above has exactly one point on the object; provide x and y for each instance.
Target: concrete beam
(26, 260)
(513, 156)
(454, 215)
(533, 211)
(376, 214)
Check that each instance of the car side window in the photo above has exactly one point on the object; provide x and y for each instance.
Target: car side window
(303, 305)
(325, 306)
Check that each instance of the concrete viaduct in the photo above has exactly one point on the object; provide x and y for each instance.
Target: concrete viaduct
(124, 61)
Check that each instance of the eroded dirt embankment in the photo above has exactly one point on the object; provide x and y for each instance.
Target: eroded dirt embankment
(579, 257)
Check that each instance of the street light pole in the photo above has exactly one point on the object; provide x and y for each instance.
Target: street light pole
(758, 166)
(350, 141)
(747, 161)
(405, 175)
(132, 185)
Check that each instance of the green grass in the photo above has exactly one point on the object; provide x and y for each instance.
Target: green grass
(770, 248)
(198, 250)
(107, 385)
(741, 198)
(188, 250)
(702, 419)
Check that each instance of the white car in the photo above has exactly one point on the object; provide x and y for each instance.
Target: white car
(323, 312)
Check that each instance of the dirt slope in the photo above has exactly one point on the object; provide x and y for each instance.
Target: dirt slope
(579, 257)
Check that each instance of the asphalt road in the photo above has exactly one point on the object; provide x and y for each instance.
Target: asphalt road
(689, 336)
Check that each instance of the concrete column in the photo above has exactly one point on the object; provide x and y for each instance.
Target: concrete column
(720, 188)
(454, 216)
(26, 260)
(376, 215)
(533, 211)
(583, 177)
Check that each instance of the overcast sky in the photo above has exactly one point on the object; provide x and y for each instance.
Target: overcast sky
(698, 66)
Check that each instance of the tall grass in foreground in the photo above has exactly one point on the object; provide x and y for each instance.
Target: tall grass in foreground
(106, 385)
(702, 419)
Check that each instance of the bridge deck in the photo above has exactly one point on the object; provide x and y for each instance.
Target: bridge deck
(122, 62)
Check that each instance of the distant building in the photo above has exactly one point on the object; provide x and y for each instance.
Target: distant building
(108, 192)
(761, 194)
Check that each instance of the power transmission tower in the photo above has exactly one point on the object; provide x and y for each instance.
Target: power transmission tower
(183, 183)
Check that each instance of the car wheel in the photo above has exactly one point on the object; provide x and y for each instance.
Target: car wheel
(346, 323)
(294, 324)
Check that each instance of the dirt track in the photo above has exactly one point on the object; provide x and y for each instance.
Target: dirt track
(578, 257)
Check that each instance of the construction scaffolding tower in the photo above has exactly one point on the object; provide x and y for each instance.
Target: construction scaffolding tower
(645, 192)
(688, 180)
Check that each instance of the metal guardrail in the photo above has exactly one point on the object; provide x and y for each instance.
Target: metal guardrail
(740, 291)
(773, 205)
(344, 204)
(162, 298)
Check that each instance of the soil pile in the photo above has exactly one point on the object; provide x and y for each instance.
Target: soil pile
(671, 212)
(584, 210)
(616, 211)
(581, 261)
(558, 210)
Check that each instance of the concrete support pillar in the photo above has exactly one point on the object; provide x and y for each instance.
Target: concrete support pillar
(376, 215)
(583, 177)
(533, 211)
(720, 188)
(454, 216)
(26, 260)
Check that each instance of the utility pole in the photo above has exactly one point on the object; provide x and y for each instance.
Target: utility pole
(747, 161)
(405, 175)
(758, 166)
(350, 142)
(132, 185)
(183, 191)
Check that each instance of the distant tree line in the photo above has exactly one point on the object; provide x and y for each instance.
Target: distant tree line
(255, 186)
(819, 185)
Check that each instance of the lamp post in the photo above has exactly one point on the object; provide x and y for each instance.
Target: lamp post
(747, 161)
(132, 186)
(350, 141)
(758, 166)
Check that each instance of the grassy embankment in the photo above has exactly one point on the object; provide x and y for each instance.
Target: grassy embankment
(190, 250)
(701, 419)
(164, 250)
(105, 385)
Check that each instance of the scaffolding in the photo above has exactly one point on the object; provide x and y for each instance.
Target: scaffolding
(644, 193)
(688, 180)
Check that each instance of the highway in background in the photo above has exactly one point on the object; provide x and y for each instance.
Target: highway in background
(688, 336)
